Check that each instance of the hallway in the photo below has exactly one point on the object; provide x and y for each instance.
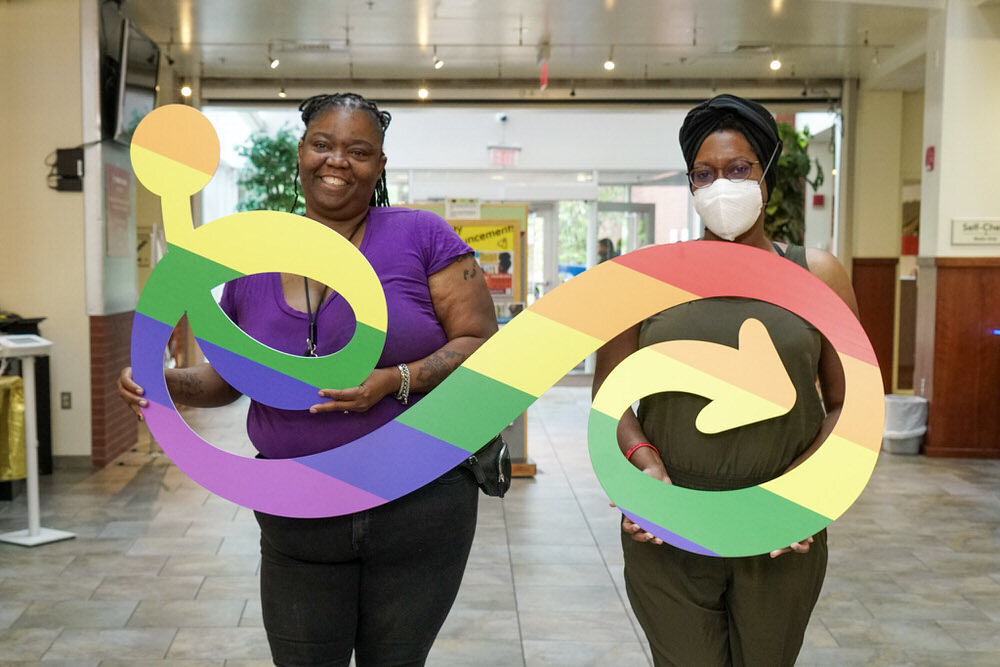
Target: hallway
(164, 573)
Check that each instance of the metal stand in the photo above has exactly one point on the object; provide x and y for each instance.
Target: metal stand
(34, 534)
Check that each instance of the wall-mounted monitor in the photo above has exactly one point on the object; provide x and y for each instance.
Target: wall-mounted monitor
(139, 65)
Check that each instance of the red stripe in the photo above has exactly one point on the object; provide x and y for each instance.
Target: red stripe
(717, 268)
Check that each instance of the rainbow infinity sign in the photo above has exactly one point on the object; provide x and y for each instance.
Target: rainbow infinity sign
(175, 152)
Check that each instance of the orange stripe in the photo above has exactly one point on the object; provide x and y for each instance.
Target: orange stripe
(182, 134)
(755, 368)
(620, 295)
(863, 414)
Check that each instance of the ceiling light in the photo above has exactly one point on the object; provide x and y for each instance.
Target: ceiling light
(423, 93)
(273, 62)
(186, 89)
(609, 64)
(775, 64)
(281, 93)
(438, 63)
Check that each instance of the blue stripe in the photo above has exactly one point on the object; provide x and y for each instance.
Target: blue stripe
(390, 461)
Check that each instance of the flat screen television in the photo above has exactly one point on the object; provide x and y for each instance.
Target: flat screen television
(139, 65)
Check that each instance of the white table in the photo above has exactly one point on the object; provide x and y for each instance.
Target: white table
(26, 347)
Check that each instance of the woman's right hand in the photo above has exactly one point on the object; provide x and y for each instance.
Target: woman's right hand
(130, 392)
(631, 528)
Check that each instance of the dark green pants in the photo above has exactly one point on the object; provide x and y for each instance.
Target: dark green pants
(707, 611)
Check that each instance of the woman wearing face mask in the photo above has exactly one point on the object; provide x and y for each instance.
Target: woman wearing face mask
(704, 610)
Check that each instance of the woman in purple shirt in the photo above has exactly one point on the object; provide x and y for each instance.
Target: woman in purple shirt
(378, 583)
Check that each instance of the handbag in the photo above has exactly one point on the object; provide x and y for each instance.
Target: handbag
(490, 467)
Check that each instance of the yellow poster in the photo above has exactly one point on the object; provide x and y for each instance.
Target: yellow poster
(498, 250)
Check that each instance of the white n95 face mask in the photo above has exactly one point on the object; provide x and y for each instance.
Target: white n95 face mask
(729, 209)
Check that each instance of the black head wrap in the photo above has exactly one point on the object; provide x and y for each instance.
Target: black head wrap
(728, 112)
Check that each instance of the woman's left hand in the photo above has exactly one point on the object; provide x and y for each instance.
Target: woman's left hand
(799, 548)
(382, 382)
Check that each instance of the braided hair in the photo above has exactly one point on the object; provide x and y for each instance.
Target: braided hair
(317, 105)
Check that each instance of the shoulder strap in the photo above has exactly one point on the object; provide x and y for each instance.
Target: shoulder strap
(797, 254)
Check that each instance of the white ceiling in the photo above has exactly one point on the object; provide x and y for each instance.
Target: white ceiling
(663, 49)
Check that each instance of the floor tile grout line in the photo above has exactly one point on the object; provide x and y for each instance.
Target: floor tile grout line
(625, 603)
(513, 584)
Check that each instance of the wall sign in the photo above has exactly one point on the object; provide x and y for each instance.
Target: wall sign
(975, 231)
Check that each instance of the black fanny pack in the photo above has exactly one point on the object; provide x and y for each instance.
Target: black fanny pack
(490, 467)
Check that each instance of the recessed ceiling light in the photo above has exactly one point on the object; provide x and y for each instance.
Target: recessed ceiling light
(423, 93)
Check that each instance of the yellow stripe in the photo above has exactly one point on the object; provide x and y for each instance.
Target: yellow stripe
(830, 480)
(161, 175)
(532, 353)
(648, 371)
(270, 241)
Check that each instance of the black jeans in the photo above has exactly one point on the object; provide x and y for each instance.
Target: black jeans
(379, 582)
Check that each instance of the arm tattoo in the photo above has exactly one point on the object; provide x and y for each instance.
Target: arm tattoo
(438, 366)
(471, 274)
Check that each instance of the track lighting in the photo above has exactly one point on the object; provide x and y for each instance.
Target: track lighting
(273, 62)
(281, 93)
(609, 64)
(775, 64)
(438, 63)
(423, 93)
(185, 89)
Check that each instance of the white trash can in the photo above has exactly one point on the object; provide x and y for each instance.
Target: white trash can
(905, 423)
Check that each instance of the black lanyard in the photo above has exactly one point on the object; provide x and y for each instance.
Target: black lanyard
(312, 339)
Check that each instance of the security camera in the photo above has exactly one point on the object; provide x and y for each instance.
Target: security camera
(501, 117)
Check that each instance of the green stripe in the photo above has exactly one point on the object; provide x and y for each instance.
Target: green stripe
(467, 409)
(178, 277)
(182, 282)
(743, 522)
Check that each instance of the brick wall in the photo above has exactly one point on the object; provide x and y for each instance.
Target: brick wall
(113, 425)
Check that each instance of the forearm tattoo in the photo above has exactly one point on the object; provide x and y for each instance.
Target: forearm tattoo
(438, 366)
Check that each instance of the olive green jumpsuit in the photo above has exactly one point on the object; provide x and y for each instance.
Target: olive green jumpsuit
(704, 610)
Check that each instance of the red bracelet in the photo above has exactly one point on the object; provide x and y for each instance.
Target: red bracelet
(633, 448)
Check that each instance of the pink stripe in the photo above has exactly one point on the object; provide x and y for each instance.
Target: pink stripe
(298, 491)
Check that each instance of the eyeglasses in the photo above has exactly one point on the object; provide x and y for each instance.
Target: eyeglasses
(736, 171)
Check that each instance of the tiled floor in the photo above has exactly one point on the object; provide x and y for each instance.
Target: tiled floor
(164, 573)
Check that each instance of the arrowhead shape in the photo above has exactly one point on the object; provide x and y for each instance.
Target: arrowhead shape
(756, 384)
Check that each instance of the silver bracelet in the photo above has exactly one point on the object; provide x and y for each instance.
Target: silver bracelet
(403, 395)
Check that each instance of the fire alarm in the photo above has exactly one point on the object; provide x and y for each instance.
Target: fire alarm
(929, 159)
(819, 200)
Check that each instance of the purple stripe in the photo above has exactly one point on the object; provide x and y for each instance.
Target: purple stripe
(390, 461)
(298, 491)
(667, 536)
(265, 384)
(149, 339)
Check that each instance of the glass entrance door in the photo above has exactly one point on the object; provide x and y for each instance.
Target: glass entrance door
(622, 227)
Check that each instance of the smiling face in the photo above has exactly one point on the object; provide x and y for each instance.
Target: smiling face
(340, 162)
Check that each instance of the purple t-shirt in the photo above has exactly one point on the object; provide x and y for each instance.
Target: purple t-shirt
(404, 246)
